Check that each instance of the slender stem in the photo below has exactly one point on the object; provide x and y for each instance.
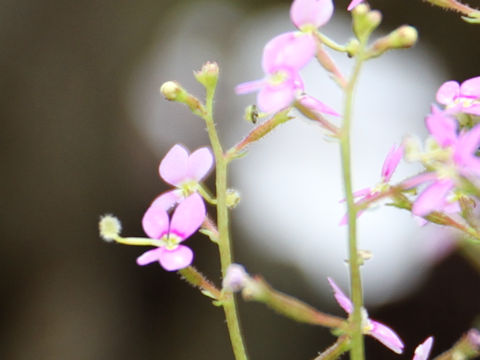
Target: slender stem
(228, 301)
(357, 350)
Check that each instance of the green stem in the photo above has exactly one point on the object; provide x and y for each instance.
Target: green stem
(228, 301)
(357, 350)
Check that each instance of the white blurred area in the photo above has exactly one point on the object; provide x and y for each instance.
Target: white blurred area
(290, 182)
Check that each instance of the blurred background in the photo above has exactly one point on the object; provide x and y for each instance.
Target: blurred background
(83, 129)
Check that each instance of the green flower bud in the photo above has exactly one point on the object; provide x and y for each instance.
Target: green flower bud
(233, 198)
(172, 90)
(403, 37)
(208, 75)
(365, 21)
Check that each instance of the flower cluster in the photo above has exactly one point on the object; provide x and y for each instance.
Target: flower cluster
(451, 151)
(285, 55)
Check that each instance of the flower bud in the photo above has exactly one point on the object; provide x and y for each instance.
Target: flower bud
(365, 21)
(172, 90)
(208, 75)
(109, 227)
(403, 37)
(233, 198)
(236, 278)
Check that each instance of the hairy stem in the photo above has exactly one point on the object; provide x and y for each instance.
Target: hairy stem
(357, 349)
(228, 301)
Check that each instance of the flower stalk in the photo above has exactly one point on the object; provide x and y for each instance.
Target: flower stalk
(224, 246)
(357, 349)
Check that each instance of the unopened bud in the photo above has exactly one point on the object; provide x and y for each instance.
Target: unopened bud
(109, 227)
(208, 75)
(403, 37)
(172, 90)
(233, 198)
(365, 21)
(236, 278)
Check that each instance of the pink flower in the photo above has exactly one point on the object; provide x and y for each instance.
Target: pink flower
(186, 219)
(461, 98)
(371, 327)
(457, 159)
(286, 54)
(183, 171)
(311, 14)
(283, 57)
(423, 350)
(354, 4)
(390, 164)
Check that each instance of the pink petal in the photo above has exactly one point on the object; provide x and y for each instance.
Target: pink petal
(391, 162)
(311, 12)
(341, 298)
(167, 200)
(473, 109)
(433, 198)
(174, 166)
(448, 92)
(149, 256)
(353, 4)
(471, 88)
(188, 216)
(467, 146)
(442, 127)
(155, 222)
(199, 163)
(250, 86)
(291, 50)
(386, 336)
(176, 259)
(422, 351)
(272, 99)
(419, 179)
(314, 105)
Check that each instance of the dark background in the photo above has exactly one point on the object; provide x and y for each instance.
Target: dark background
(69, 152)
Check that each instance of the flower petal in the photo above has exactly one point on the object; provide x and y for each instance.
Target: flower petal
(167, 200)
(341, 298)
(315, 105)
(311, 12)
(188, 216)
(272, 99)
(386, 336)
(149, 256)
(422, 351)
(353, 4)
(173, 167)
(448, 92)
(176, 259)
(433, 198)
(250, 86)
(471, 88)
(391, 162)
(442, 127)
(473, 109)
(199, 163)
(155, 222)
(291, 50)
